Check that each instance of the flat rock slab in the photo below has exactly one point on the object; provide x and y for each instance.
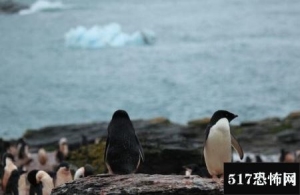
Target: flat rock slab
(104, 184)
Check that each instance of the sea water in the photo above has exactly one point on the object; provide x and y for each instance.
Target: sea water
(243, 56)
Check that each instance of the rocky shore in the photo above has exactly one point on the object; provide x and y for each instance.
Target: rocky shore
(168, 146)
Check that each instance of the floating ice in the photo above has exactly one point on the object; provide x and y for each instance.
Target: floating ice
(43, 5)
(110, 35)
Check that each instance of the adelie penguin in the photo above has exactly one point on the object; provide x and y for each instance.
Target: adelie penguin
(123, 151)
(194, 169)
(40, 182)
(63, 174)
(11, 175)
(85, 171)
(218, 141)
(24, 157)
(63, 150)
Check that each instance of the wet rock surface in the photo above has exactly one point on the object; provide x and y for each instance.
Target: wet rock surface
(8, 6)
(140, 184)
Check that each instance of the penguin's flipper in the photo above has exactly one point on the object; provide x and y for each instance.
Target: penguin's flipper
(207, 130)
(237, 146)
(140, 149)
(12, 184)
(35, 190)
(1, 170)
(5, 179)
(106, 149)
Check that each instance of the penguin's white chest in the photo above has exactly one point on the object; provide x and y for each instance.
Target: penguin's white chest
(217, 148)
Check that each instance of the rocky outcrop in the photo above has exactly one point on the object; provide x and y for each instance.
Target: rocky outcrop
(267, 135)
(140, 184)
(169, 146)
(8, 6)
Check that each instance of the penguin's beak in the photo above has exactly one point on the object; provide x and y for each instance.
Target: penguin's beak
(235, 116)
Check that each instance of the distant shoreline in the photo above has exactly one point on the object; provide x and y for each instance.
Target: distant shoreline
(202, 122)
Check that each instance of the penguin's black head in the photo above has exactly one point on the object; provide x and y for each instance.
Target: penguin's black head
(60, 156)
(88, 170)
(21, 141)
(84, 140)
(5, 156)
(31, 177)
(63, 164)
(258, 159)
(222, 114)
(22, 144)
(120, 114)
(248, 159)
(283, 152)
(120, 120)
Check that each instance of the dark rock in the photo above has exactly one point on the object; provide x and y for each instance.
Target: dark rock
(249, 123)
(8, 6)
(295, 124)
(199, 122)
(140, 184)
(49, 136)
(169, 146)
(159, 121)
(294, 115)
(288, 136)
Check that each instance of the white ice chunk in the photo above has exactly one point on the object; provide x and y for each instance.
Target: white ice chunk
(43, 5)
(110, 35)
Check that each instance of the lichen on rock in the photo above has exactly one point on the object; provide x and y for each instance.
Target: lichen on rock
(90, 154)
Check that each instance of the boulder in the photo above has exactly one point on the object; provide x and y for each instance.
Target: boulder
(140, 184)
(8, 6)
(288, 136)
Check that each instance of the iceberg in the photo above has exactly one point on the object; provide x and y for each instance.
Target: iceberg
(110, 35)
(43, 5)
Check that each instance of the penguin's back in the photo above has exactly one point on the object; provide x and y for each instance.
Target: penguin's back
(123, 154)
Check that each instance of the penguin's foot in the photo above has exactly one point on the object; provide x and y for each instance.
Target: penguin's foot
(215, 178)
(219, 181)
(222, 179)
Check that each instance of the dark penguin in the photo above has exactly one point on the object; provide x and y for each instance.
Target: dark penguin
(35, 186)
(63, 174)
(21, 148)
(286, 156)
(258, 159)
(194, 169)
(248, 159)
(123, 151)
(62, 151)
(11, 175)
(24, 156)
(40, 183)
(84, 140)
(218, 141)
(85, 171)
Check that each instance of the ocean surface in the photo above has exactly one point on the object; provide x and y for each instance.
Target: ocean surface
(243, 56)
